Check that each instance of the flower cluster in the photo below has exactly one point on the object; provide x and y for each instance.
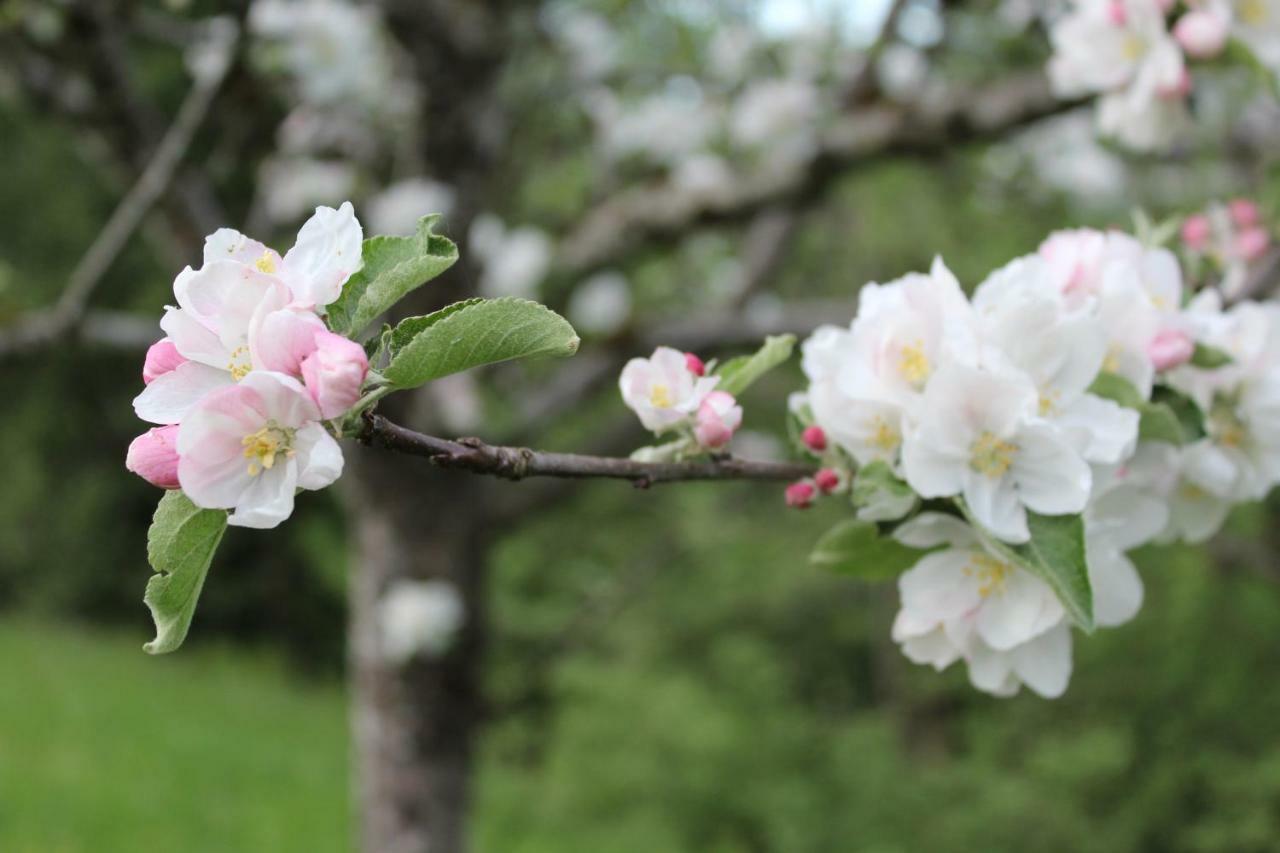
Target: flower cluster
(1126, 52)
(671, 392)
(1007, 408)
(248, 373)
(1229, 239)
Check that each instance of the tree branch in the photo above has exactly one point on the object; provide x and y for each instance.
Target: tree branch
(517, 463)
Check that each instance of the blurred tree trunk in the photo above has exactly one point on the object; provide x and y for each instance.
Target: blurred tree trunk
(414, 723)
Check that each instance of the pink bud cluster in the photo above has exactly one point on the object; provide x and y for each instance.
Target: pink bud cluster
(826, 481)
(1229, 236)
(671, 391)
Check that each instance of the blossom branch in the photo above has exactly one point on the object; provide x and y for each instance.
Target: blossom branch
(517, 463)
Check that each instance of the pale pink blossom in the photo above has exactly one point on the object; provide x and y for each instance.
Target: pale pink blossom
(153, 456)
(250, 446)
(662, 390)
(717, 419)
(335, 372)
(1170, 348)
(1202, 33)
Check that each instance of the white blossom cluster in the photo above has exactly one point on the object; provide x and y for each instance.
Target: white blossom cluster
(999, 406)
(1134, 55)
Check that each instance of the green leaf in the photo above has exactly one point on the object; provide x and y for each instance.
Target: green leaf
(180, 546)
(1114, 387)
(880, 495)
(737, 374)
(1159, 423)
(393, 267)
(1055, 554)
(858, 548)
(1172, 417)
(1210, 358)
(1239, 53)
(473, 333)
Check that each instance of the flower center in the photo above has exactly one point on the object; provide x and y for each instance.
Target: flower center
(990, 573)
(262, 447)
(1253, 12)
(1049, 403)
(913, 364)
(1226, 425)
(1132, 48)
(240, 365)
(991, 456)
(1111, 364)
(266, 263)
(883, 436)
(660, 397)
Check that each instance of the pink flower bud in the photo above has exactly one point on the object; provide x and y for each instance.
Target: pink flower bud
(1117, 13)
(1195, 232)
(717, 419)
(334, 373)
(1252, 243)
(153, 456)
(161, 358)
(814, 438)
(800, 494)
(696, 365)
(1170, 348)
(1166, 5)
(1202, 34)
(1244, 213)
(1179, 89)
(827, 480)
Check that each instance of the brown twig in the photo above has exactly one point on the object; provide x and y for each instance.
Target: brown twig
(517, 463)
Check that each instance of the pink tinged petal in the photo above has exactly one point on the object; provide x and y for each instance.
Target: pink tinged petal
(319, 457)
(227, 244)
(168, 398)
(1117, 587)
(940, 587)
(162, 357)
(325, 255)
(284, 399)
(280, 340)
(1015, 611)
(268, 498)
(994, 502)
(225, 296)
(1170, 348)
(335, 373)
(153, 456)
(991, 671)
(717, 419)
(193, 339)
(1044, 664)
(1051, 477)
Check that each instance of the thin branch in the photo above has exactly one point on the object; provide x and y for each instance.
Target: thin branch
(517, 463)
(154, 181)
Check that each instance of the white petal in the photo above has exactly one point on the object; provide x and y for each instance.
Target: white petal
(227, 244)
(938, 587)
(1117, 587)
(931, 529)
(171, 395)
(1044, 664)
(931, 472)
(1024, 608)
(1051, 477)
(193, 339)
(1101, 430)
(319, 457)
(994, 503)
(324, 257)
(934, 649)
(268, 498)
(991, 671)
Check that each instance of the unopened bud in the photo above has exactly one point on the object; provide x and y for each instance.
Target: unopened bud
(1202, 33)
(800, 494)
(1252, 243)
(1195, 232)
(696, 365)
(1244, 213)
(827, 480)
(814, 438)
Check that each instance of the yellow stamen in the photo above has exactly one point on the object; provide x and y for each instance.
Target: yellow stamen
(913, 364)
(239, 364)
(990, 572)
(660, 397)
(1048, 403)
(1253, 12)
(263, 446)
(991, 456)
(884, 436)
(266, 263)
(1133, 47)
(1111, 364)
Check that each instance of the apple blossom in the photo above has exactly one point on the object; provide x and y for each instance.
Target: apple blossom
(249, 446)
(662, 390)
(334, 373)
(154, 457)
(161, 358)
(1202, 33)
(979, 437)
(716, 420)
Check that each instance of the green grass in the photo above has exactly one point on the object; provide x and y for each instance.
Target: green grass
(103, 749)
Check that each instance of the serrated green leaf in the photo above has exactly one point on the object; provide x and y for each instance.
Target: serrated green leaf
(858, 548)
(408, 328)
(737, 374)
(1055, 554)
(393, 267)
(180, 547)
(880, 495)
(479, 332)
(1114, 387)
(1210, 358)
